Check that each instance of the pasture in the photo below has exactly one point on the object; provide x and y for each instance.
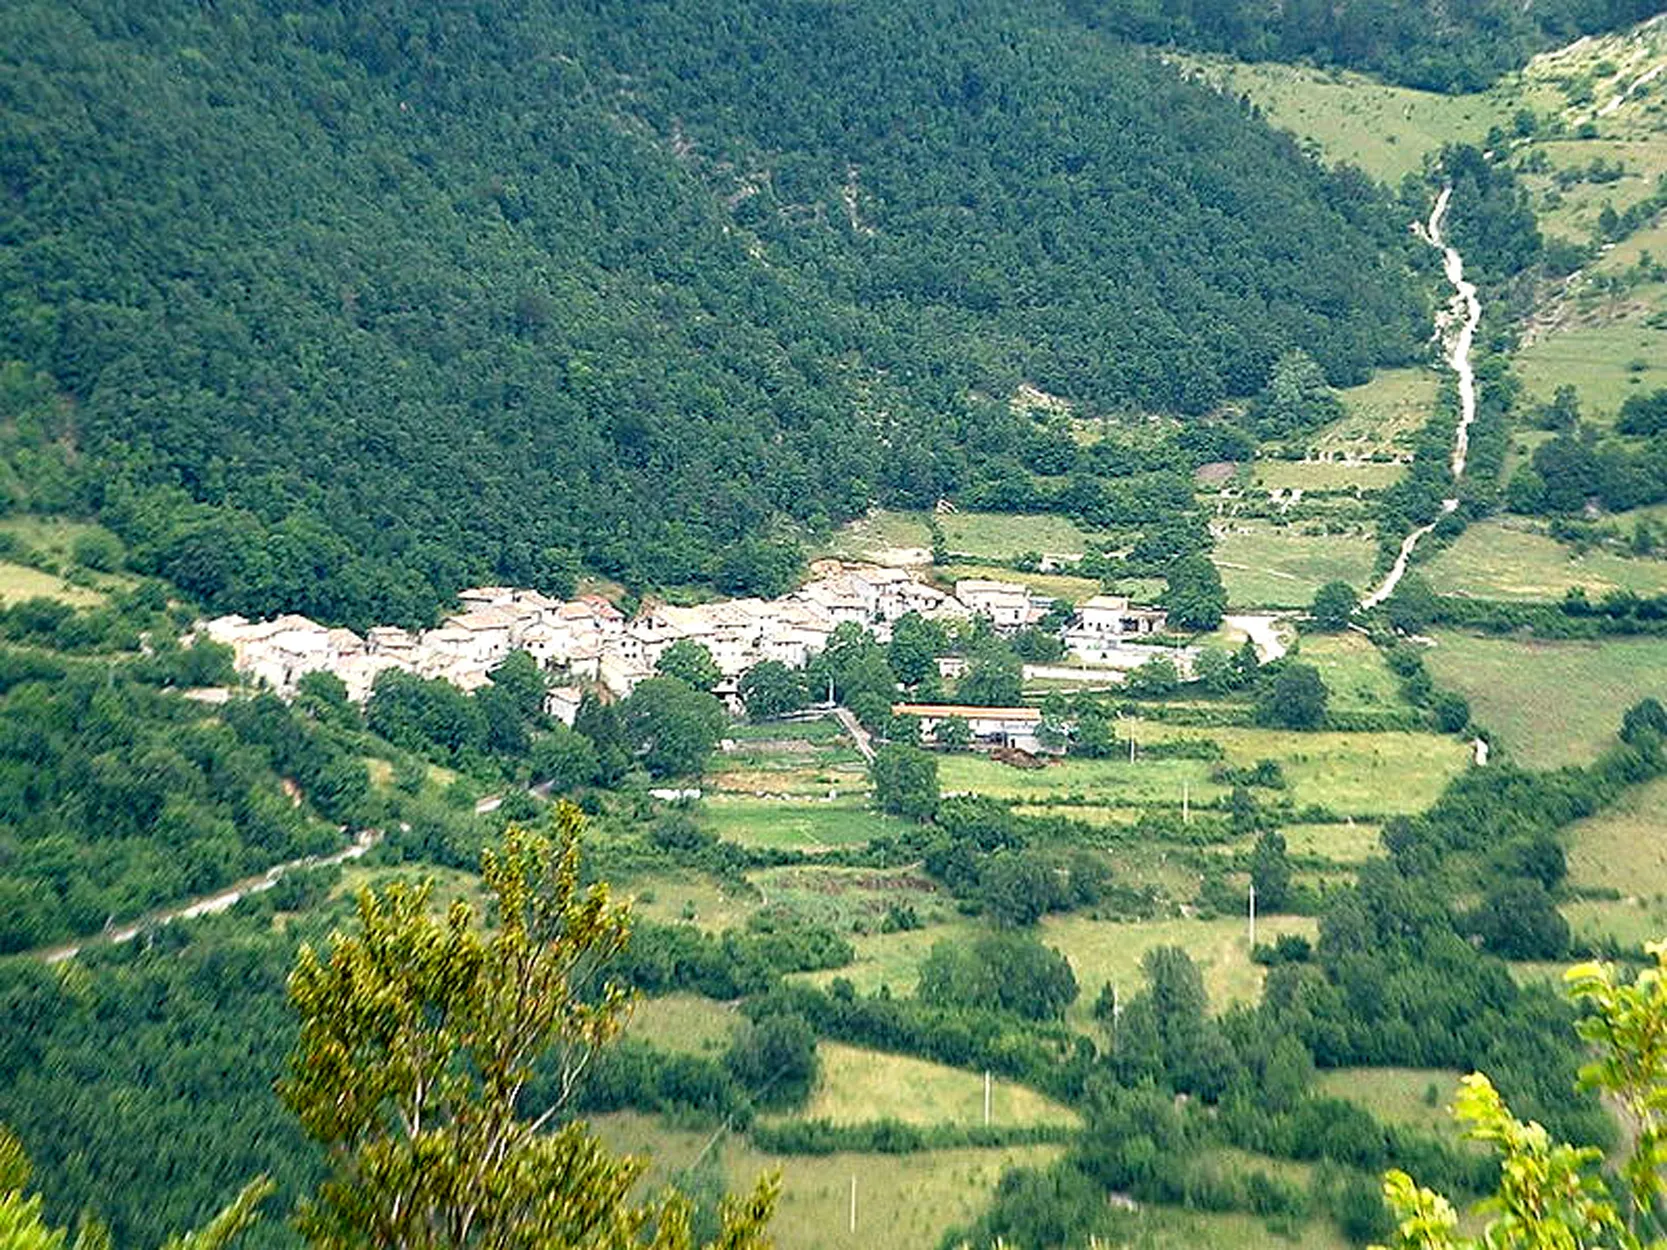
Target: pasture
(683, 1022)
(1380, 416)
(1624, 847)
(1354, 671)
(1549, 703)
(1327, 475)
(1360, 775)
(1268, 566)
(903, 1201)
(1103, 950)
(798, 823)
(1497, 559)
(1399, 1095)
(857, 1086)
(19, 582)
(1385, 130)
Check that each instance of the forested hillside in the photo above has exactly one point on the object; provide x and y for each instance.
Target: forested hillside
(1422, 43)
(352, 305)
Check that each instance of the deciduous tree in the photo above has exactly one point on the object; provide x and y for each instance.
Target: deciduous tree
(420, 1038)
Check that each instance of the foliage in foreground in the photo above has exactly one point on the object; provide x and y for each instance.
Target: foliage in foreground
(1552, 1194)
(419, 1036)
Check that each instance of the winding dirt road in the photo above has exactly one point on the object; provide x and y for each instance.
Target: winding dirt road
(1467, 310)
(219, 901)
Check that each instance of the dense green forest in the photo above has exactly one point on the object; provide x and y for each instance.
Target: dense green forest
(1421, 43)
(337, 308)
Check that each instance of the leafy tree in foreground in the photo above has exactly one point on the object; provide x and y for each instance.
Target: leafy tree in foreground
(1553, 1194)
(420, 1035)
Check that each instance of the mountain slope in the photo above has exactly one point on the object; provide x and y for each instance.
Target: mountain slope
(358, 303)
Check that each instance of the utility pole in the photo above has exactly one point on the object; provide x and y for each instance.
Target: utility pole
(853, 1203)
(1252, 915)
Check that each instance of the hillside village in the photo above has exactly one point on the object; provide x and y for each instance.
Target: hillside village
(591, 641)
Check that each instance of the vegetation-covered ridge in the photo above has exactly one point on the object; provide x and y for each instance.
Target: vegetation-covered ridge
(1420, 43)
(348, 307)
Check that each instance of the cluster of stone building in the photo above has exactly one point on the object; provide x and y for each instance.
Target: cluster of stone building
(592, 641)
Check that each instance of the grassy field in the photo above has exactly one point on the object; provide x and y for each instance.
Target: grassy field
(671, 897)
(1352, 774)
(683, 1022)
(18, 581)
(850, 900)
(797, 824)
(1311, 475)
(1171, 1228)
(1263, 565)
(894, 959)
(1398, 1095)
(1550, 703)
(1498, 560)
(906, 1202)
(1054, 585)
(1102, 951)
(857, 1086)
(1604, 359)
(1354, 671)
(1625, 847)
(1342, 844)
(1385, 130)
(1109, 782)
(1633, 922)
(1381, 416)
(1005, 535)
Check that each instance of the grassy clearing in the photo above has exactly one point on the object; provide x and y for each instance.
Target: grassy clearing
(1605, 361)
(1311, 475)
(1102, 951)
(1346, 843)
(671, 898)
(894, 959)
(1263, 565)
(1385, 130)
(817, 825)
(1172, 1228)
(18, 581)
(1399, 1095)
(1054, 585)
(1003, 535)
(1109, 782)
(851, 900)
(801, 775)
(857, 1086)
(1499, 560)
(906, 1202)
(686, 1023)
(1521, 690)
(1351, 774)
(1632, 922)
(881, 530)
(1354, 671)
(1381, 416)
(1625, 847)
